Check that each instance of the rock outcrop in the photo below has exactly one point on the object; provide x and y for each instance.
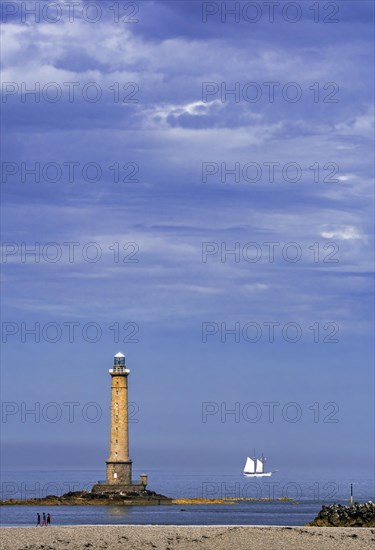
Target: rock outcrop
(356, 515)
(86, 498)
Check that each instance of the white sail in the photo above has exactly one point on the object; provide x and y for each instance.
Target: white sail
(249, 466)
(254, 467)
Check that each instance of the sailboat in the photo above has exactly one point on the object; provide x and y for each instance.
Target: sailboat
(254, 467)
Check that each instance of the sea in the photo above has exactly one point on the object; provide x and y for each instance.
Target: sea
(307, 493)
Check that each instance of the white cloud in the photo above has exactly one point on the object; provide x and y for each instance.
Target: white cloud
(345, 233)
(161, 112)
(360, 124)
(345, 177)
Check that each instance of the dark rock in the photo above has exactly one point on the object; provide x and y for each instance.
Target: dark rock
(355, 515)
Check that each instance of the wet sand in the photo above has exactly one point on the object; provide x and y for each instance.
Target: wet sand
(152, 537)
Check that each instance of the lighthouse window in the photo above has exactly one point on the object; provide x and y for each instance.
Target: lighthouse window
(116, 441)
(116, 418)
(115, 475)
(116, 392)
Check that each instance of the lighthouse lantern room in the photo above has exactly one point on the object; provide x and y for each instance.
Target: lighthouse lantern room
(119, 365)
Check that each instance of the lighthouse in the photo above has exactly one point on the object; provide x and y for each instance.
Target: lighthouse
(119, 464)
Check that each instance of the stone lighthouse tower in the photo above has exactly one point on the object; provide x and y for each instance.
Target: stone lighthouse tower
(119, 464)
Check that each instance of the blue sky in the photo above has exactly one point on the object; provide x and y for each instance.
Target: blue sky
(169, 212)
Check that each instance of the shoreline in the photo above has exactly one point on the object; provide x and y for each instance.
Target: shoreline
(178, 526)
(52, 500)
(187, 537)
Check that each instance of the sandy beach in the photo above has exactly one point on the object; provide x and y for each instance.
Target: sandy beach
(137, 537)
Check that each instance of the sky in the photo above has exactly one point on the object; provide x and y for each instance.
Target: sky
(197, 188)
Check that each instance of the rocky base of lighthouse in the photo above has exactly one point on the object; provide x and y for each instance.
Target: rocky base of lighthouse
(119, 488)
(90, 498)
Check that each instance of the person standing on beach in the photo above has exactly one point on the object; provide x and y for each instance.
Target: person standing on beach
(44, 522)
(48, 519)
(37, 520)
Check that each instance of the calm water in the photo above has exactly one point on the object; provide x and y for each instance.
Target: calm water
(310, 495)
